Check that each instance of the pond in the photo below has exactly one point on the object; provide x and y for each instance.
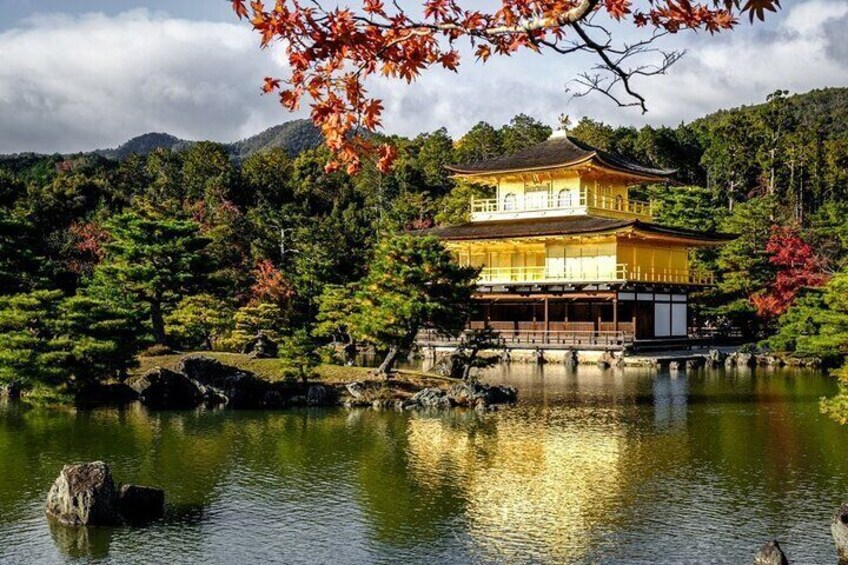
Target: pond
(592, 466)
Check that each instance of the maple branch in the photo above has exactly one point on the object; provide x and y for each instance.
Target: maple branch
(615, 66)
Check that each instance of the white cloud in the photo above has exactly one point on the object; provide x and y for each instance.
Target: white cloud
(800, 49)
(70, 83)
(80, 82)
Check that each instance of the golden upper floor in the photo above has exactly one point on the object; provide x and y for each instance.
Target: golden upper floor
(558, 177)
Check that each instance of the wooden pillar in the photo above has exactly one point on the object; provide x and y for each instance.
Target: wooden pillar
(547, 320)
(600, 316)
(488, 313)
(635, 309)
(615, 313)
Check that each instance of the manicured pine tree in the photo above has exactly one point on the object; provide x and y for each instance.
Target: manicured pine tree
(29, 350)
(413, 282)
(154, 261)
(199, 321)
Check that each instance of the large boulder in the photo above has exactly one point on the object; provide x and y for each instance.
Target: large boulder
(770, 554)
(164, 389)
(839, 530)
(223, 384)
(84, 495)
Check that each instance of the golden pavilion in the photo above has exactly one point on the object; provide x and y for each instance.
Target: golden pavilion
(567, 258)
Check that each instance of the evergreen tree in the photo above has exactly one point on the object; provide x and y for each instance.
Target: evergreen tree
(481, 142)
(412, 282)
(46, 339)
(299, 356)
(523, 132)
(156, 261)
(201, 320)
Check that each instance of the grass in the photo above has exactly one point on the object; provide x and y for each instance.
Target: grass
(272, 369)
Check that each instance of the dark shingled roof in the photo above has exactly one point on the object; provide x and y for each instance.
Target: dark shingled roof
(567, 225)
(556, 152)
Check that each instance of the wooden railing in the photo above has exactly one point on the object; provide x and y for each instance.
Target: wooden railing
(621, 272)
(578, 202)
(532, 338)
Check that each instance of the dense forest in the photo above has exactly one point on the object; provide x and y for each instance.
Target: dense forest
(201, 245)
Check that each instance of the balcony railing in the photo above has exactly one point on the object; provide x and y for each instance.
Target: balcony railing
(621, 272)
(568, 203)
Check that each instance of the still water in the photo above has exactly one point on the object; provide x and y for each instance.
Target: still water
(591, 467)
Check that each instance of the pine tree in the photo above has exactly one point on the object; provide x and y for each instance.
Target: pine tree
(155, 261)
(413, 282)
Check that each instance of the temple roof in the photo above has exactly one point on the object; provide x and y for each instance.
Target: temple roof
(556, 152)
(567, 225)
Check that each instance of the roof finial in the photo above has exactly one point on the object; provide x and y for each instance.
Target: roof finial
(562, 130)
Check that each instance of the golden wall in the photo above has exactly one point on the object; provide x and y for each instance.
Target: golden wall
(566, 258)
(563, 188)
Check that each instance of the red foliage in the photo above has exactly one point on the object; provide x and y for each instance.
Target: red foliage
(86, 247)
(333, 48)
(798, 266)
(270, 285)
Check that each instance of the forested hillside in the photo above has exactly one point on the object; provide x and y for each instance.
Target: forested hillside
(164, 238)
(294, 137)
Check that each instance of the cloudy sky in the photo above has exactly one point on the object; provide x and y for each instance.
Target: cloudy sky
(85, 74)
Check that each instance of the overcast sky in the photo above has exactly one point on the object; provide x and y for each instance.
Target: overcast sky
(85, 74)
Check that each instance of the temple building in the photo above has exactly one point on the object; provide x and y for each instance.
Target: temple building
(568, 259)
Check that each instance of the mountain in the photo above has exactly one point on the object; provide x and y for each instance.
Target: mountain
(826, 108)
(294, 136)
(144, 144)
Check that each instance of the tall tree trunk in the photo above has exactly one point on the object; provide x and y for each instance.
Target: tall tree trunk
(157, 320)
(388, 362)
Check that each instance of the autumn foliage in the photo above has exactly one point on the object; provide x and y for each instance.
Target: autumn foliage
(87, 247)
(270, 285)
(332, 48)
(798, 265)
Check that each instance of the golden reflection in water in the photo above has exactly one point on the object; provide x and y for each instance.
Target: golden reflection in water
(549, 489)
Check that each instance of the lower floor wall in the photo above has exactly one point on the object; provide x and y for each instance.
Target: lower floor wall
(637, 315)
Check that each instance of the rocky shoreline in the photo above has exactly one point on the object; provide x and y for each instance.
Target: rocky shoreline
(204, 381)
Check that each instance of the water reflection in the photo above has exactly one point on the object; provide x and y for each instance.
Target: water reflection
(612, 466)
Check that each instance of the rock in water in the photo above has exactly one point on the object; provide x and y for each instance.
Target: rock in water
(472, 394)
(715, 358)
(223, 384)
(84, 495)
(839, 529)
(138, 504)
(431, 398)
(164, 389)
(770, 554)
